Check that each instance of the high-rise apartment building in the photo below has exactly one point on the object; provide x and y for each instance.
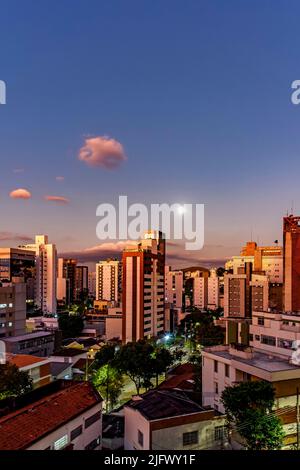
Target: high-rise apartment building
(46, 272)
(264, 259)
(213, 287)
(17, 264)
(108, 280)
(66, 280)
(173, 287)
(291, 247)
(92, 284)
(81, 283)
(143, 288)
(12, 309)
(206, 291)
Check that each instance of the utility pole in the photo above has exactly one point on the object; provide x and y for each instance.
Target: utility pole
(298, 420)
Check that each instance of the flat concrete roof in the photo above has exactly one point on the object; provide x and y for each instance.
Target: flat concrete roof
(38, 334)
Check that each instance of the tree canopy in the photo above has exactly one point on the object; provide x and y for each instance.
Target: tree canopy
(70, 325)
(13, 382)
(248, 407)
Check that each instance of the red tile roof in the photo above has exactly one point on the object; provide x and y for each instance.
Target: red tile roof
(21, 428)
(182, 378)
(23, 360)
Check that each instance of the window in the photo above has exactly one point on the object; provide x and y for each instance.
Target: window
(61, 443)
(220, 433)
(92, 419)
(226, 370)
(284, 343)
(216, 388)
(216, 366)
(189, 438)
(261, 321)
(93, 444)
(76, 432)
(269, 340)
(140, 438)
(257, 338)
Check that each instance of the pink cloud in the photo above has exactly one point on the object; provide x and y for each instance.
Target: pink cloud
(60, 178)
(58, 199)
(19, 237)
(20, 193)
(18, 170)
(102, 152)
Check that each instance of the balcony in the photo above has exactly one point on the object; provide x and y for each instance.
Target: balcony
(293, 328)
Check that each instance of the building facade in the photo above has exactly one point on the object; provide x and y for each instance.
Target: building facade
(291, 247)
(173, 287)
(46, 272)
(12, 309)
(108, 280)
(143, 288)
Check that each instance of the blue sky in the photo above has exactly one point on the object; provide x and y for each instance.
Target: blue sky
(197, 92)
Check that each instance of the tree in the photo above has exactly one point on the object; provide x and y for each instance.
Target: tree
(105, 356)
(248, 407)
(136, 361)
(196, 360)
(200, 327)
(13, 382)
(70, 325)
(161, 361)
(109, 382)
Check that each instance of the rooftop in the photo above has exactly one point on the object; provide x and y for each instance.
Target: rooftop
(264, 361)
(160, 404)
(69, 352)
(37, 334)
(24, 360)
(181, 378)
(57, 368)
(22, 428)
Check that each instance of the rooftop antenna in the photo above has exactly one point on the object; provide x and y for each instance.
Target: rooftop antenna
(292, 208)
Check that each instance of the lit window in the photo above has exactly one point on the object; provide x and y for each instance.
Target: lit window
(61, 443)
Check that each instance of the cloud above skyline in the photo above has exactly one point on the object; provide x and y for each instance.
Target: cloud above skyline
(57, 199)
(178, 258)
(60, 178)
(20, 193)
(7, 236)
(102, 152)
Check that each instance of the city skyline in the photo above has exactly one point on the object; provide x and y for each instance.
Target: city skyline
(155, 117)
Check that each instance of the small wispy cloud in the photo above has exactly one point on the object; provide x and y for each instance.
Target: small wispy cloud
(18, 237)
(20, 193)
(57, 199)
(102, 152)
(60, 178)
(18, 170)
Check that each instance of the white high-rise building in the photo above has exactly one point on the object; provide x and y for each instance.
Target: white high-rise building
(200, 292)
(46, 272)
(107, 280)
(206, 291)
(173, 287)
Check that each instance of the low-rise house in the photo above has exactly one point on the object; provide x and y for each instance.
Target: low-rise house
(39, 343)
(68, 355)
(169, 420)
(38, 369)
(226, 365)
(62, 415)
